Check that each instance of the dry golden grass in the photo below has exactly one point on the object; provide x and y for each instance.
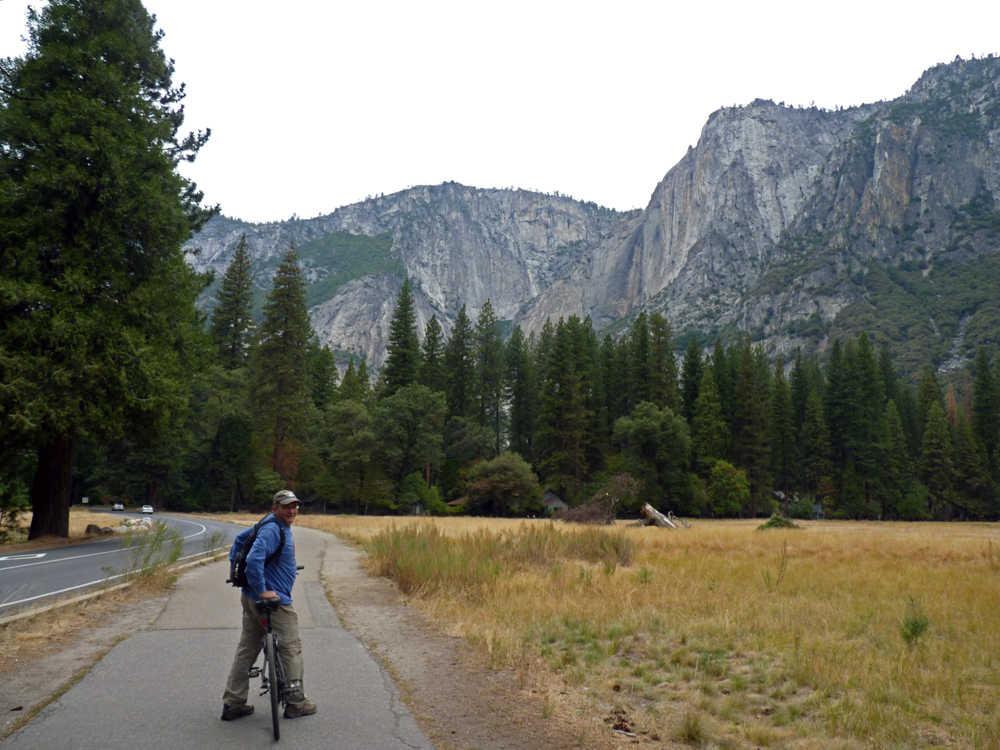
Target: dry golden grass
(79, 519)
(784, 638)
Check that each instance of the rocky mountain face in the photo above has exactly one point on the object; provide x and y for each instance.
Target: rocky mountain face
(793, 224)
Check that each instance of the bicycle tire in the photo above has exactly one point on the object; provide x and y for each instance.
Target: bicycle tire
(273, 688)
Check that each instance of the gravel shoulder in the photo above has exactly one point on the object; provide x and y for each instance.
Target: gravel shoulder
(459, 703)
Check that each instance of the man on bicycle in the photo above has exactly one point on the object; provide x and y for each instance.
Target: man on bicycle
(274, 579)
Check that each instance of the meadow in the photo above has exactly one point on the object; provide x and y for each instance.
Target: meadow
(834, 635)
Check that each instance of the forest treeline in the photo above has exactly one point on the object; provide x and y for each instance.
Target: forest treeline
(114, 387)
(466, 423)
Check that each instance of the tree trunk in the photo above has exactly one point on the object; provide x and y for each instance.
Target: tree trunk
(50, 488)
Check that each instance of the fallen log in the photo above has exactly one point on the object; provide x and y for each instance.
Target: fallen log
(655, 518)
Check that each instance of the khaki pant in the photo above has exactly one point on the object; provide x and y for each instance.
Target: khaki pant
(284, 624)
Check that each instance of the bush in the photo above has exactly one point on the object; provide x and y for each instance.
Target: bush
(801, 509)
(778, 522)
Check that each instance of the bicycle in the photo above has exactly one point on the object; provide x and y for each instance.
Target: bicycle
(271, 671)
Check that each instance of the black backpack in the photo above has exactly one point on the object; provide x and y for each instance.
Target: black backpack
(238, 570)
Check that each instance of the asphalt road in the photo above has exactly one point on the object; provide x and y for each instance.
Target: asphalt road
(162, 688)
(30, 578)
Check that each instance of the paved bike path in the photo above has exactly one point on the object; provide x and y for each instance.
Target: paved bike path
(162, 688)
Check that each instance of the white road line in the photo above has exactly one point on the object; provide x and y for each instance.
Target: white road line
(96, 554)
(83, 585)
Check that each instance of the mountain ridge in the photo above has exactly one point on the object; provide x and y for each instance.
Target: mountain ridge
(784, 222)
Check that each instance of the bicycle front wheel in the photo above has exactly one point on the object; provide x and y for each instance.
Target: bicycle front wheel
(272, 677)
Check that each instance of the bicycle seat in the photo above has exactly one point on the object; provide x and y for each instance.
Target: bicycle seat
(267, 605)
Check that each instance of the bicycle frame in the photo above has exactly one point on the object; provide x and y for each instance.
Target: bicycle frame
(271, 670)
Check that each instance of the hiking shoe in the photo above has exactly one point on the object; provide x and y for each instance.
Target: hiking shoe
(294, 712)
(237, 712)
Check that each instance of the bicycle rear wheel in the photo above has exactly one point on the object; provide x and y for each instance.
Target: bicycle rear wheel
(273, 687)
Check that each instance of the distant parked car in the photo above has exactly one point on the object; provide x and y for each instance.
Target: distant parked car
(147, 509)
(117, 506)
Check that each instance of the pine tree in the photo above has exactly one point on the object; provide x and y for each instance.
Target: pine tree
(709, 432)
(489, 371)
(784, 449)
(402, 363)
(595, 402)
(521, 392)
(280, 371)
(459, 366)
(928, 394)
(800, 389)
(751, 440)
(897, 472)
(866, 407)
(638, 384)
(432, 357)
(836, 404)
(692, 371)
(724, 365)
(365, 383)
(936, 461)
(986, 404)
(663, 389)
(322, 370)
(814, 444)
(98, 328)
(562, 422)
(232, 320)
(350, 386)
(973, 483)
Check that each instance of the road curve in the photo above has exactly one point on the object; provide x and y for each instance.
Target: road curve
(31, 578)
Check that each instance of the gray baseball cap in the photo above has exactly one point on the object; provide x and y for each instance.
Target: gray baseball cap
(285, 497)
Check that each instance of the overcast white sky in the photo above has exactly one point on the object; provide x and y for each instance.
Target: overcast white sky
(316, 104)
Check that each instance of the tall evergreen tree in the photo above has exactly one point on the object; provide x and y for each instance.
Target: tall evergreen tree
(562, 422)
(973, 483)
(663, 389)
(460, 367)
(595, 402)
(352, 448)
(322, 371)
(751, 439)
(928, 393)
(638, 383)
(232, 319)
(489, 372)
(836, 404)
(280, 371)
(897, 472)
(936, 461)
(784, 452)
(709, 431)
(432, 357)
(800, 388)
(724, 366)
(521, 391)
(351, 388)
(402, 363)
(96, 301)
(814, 443)
(986, 404)
(692, 370)
(866, 407)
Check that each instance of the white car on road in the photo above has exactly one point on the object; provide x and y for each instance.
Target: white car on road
(146, 509)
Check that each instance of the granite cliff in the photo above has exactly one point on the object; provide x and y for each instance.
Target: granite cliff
(794, 224)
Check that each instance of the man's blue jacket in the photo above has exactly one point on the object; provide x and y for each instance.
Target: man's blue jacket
(279, 575)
